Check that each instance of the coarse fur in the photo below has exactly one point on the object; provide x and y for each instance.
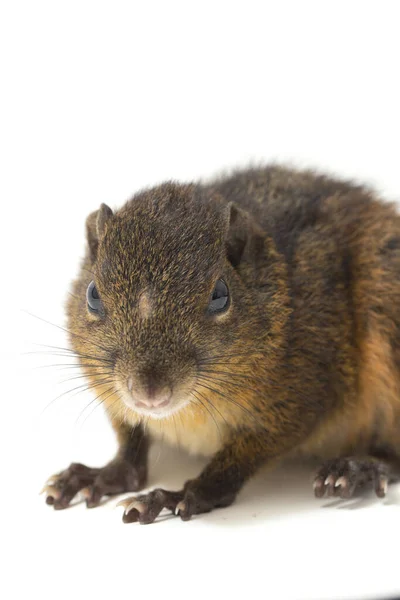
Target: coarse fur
(305, 360)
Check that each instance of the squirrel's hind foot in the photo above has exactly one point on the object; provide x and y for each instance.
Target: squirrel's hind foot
(341, 477)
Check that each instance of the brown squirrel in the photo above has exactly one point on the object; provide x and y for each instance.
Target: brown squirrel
(249, 319)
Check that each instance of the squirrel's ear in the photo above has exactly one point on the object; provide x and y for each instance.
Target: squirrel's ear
(241, 229)
(95, 226)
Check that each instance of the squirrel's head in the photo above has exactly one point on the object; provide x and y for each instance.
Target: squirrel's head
(180, 295)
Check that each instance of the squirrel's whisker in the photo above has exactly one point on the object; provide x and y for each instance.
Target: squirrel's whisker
(234, 374)
(78, 389)
(68, 366)
(69, 356)
(229, 383)
(84, 375)
(64, 329)
(213, 406)
(68, 352)
(209, 412)
(229, 399)
(110, 389)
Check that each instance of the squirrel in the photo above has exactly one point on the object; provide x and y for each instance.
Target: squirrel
(249, 319)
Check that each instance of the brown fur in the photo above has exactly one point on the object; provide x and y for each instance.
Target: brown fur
(307, 357)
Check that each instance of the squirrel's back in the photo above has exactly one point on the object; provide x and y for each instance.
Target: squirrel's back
(342, 238)
(286, 201)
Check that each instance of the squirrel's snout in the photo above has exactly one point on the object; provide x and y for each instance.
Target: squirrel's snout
(154, 393)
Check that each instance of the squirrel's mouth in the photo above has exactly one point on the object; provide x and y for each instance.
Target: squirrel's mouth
(155, 403)
(161, 410)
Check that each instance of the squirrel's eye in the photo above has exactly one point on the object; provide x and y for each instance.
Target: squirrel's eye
(220, 298)
(93, 298)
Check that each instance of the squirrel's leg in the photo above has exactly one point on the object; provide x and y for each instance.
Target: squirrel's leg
(127, 472)
(216, 486)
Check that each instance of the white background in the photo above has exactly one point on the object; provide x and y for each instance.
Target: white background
(99, 99)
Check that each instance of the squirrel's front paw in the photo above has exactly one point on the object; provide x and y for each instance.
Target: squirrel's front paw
(115, 478)
(185, 503)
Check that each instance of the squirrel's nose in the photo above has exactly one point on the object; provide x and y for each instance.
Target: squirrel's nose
(149, 395)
